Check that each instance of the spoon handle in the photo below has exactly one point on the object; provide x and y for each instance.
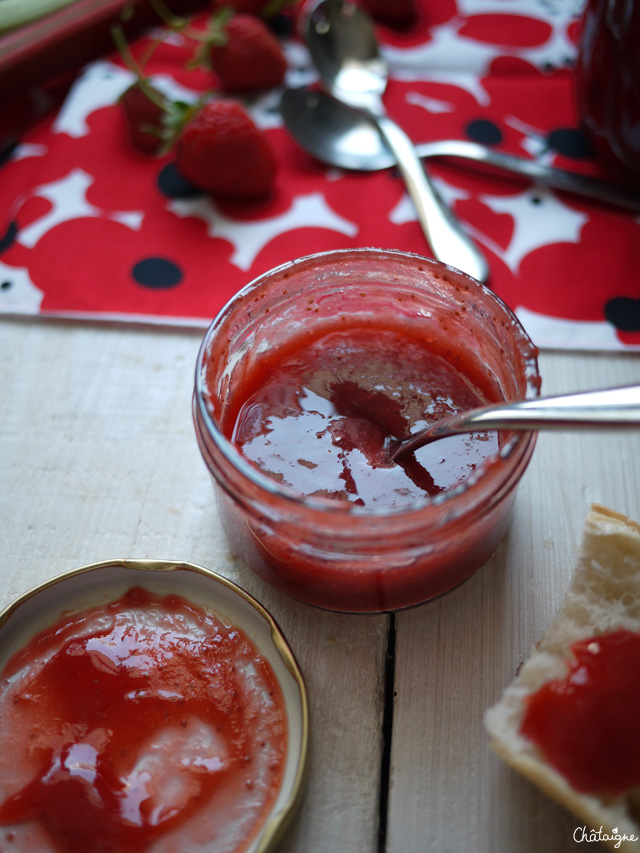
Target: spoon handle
(448, 241)
(608, 407)
(548, 176)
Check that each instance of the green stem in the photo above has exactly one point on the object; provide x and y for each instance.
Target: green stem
(129, 60)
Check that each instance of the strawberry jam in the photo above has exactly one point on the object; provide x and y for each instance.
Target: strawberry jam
(145, 722)
(586, 725)
(303, 382)
(316, 415)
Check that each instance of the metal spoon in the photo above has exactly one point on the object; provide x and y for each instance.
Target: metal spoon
(344, 49)
(341, 136)
(608, 407)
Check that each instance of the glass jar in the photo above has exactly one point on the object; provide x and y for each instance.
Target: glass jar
(332, 553)
(608, 83)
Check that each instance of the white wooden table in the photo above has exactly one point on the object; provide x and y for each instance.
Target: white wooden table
(98, 460)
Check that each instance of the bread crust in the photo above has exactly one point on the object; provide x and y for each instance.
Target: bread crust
(604, 595)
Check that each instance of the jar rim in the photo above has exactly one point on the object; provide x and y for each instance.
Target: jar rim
(516, 445)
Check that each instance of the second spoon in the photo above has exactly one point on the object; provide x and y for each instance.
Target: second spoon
(344, 49)
(341, 136)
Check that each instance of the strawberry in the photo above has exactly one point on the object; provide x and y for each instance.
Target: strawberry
(144, 109)
(222, 151)
(246, 55)
(152, 121)
(143, 106)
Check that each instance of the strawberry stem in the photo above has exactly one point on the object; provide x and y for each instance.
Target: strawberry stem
(129, 60)
(175, 23)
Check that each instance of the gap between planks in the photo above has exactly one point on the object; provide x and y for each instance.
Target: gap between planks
(387, 733)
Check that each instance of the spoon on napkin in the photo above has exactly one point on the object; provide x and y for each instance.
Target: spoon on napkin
(607, 407)
(345, 51)
(341, 136)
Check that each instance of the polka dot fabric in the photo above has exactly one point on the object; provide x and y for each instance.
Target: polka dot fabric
(90, 229)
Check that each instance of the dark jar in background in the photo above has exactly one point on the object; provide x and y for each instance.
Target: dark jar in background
(608, 84)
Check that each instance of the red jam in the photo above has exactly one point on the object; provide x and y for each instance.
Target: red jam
(315, 414)
(143, 724)
(587, 724)
(305, 378)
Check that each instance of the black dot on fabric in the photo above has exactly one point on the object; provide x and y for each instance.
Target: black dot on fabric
(172, 185)
(157, 273)
(484, 131)
(570, 142)
(623, 312)
(6, 285)
(9, 237)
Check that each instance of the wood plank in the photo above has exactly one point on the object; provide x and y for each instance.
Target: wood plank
(456, 655)
(98, 460)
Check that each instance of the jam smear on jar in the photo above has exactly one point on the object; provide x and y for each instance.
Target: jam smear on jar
(144, 719)
(586, 724)
(316, 414)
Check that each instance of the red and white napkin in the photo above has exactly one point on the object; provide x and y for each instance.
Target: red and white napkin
(89, 229)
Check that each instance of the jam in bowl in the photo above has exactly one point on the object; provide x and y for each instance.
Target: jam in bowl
(302, 381)
(147, 706)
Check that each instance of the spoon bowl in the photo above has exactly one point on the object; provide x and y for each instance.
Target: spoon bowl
(586, 409)
(345, 51)
(333, 131)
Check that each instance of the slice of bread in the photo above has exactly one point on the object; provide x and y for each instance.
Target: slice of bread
(604, 595)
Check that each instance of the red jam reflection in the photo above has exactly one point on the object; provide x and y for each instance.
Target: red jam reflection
(314, 414)
(587, 724)
(143, 721)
